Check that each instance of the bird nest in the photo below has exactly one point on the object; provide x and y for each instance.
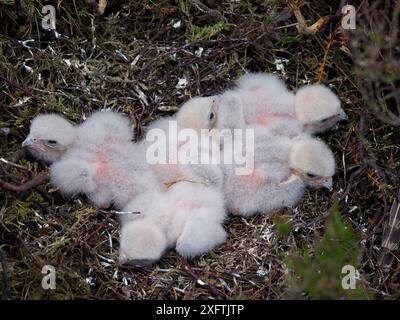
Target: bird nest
(146, 59)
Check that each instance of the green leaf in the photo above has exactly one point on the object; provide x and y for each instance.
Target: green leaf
(317, 273)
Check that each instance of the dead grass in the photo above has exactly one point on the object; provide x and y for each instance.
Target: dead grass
(131, 59)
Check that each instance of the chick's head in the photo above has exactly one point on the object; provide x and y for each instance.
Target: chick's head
(313, 161)
(318, 108)
(49, 137)
(198, 113)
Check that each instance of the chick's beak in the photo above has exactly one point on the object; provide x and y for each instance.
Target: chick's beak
(327, 183)
(343, 116)
(27, 142)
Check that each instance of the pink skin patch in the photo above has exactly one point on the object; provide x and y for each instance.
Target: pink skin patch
(263, 118)
(104, 173)
(99, 160)
(103, 168)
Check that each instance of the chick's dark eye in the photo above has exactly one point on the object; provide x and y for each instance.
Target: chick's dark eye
(310, 175)
(211, 116)
(51, 141)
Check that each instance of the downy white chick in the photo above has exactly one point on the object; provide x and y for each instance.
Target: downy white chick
(187, 217)
(266, 97)
(104, 164)
(188, 213)
(197, 114)
(283, 166)
(51, 135)
(107, 176)
(99, 160)
(190, 170)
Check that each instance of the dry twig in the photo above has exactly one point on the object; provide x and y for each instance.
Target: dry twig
(217, 294)
(302, 24)
(35, 182)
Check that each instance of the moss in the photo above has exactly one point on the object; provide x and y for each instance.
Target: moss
(197, 33)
